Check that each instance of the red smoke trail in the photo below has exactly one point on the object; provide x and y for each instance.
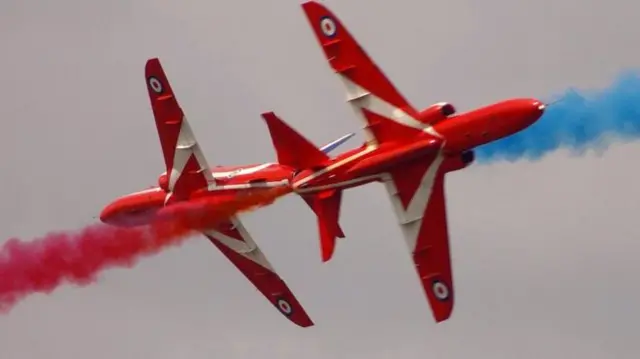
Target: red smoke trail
(77, 257)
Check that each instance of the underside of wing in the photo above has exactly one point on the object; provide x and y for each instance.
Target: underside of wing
(234, 241)
(369, 91)
(417, 194)
(186, 167)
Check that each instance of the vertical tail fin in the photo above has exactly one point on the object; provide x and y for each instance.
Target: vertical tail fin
(295, 151)
(292, 148)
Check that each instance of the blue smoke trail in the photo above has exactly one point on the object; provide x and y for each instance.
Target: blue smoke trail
(578, 122)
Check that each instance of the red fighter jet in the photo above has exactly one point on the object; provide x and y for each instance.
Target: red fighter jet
(190, 177)
(409, 151)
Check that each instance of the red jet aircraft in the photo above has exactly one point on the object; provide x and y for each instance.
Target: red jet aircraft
(191, 177)
(409, 151)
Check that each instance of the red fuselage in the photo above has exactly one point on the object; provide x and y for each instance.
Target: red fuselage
(142, 207)
(454, 135)
(457, 135)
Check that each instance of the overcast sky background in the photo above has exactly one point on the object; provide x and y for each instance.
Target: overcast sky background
(545, 254)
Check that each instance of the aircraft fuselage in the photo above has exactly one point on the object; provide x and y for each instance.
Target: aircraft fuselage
(456, 136)
(142, 207)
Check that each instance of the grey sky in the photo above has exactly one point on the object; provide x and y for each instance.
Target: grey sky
(545, 254)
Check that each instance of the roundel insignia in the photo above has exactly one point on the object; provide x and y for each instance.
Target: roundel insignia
(328, 26)
(440, 290)
(284, 307)
(155, 84)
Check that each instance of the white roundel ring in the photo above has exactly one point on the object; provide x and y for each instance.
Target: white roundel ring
(328, 26)
(284, 307)
(440, 290)
(155, 85)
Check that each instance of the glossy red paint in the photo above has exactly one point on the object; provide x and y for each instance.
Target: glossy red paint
(134, 209)
(487, 124)
(188, 179)
(140, 208)
(409, 151)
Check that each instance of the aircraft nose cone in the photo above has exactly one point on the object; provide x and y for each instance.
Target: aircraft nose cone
(532, 109)
(107, 213)
(538, 106)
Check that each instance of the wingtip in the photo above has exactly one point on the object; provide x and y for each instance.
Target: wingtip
(306, 4)
(313, 7)
(153, 67)
(306, 324)
(154, 61)
(300, 317)
(442, 314)
(268, 116)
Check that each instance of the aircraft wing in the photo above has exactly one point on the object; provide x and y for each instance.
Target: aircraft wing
(187, 171)
(235, 242)
(417, 195)
(369, 91)
(187, 168)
